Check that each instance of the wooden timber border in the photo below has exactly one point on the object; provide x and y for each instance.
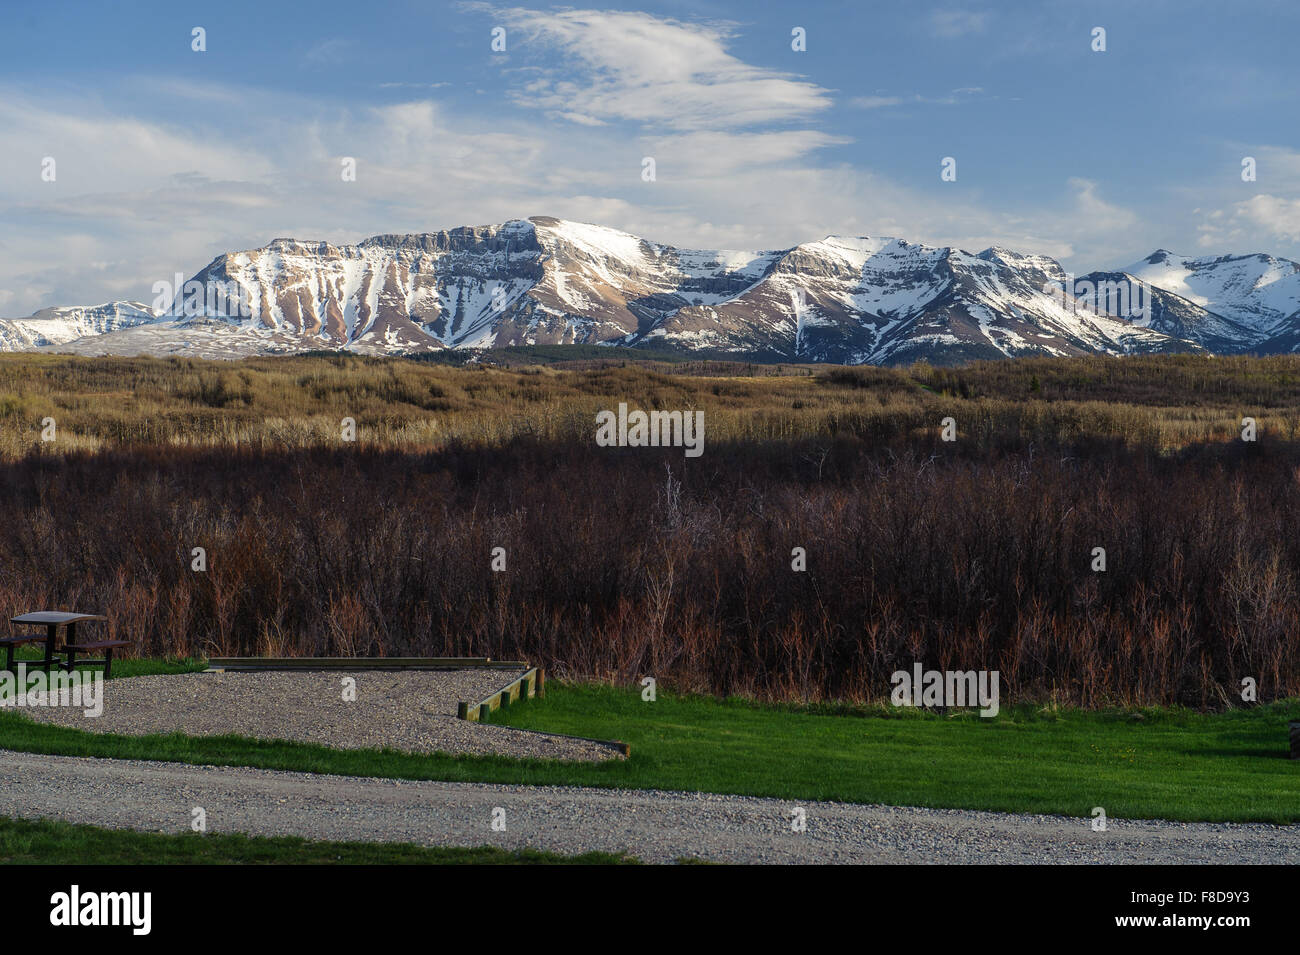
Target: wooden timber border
(528, 685)
(363, 663)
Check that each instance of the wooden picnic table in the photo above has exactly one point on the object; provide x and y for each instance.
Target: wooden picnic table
(52, 620)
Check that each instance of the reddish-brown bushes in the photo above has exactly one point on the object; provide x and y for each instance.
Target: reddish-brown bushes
(628, 562)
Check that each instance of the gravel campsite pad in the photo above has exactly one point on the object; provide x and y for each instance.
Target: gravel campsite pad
(411, 710)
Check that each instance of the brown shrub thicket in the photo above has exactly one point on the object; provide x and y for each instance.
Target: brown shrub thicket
(630, 562)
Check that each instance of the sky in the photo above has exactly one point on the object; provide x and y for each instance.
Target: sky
(165, 156)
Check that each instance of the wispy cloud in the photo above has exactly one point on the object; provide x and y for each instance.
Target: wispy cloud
(1251, 222)
(874, 102)
(1279, 218)
(97, 149)
(655, 71)
(963, 94)
(1094, 213)
(1269, 213)
(326, 52)
(957, 23)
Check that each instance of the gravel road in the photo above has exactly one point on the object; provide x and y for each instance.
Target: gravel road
(654, 826)
(412, 710)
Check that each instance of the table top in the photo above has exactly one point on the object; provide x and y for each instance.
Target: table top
(55, 616)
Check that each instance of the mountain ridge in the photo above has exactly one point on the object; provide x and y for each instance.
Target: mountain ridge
(845, 299)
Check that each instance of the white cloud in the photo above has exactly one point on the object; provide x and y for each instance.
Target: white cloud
(1095, 214)
(655, 71)
(96, 150)
(1232, 216)
(957, 23)
(1252, 223)
(326, 52)
(874, 102)
(949, 99)
(1278, 217)
(692, 155)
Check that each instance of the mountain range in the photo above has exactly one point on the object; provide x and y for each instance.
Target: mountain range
(543, 280)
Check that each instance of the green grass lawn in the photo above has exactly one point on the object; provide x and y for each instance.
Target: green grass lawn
(150, 666)
(60, 843)
(1172, 764)
(1150, 763)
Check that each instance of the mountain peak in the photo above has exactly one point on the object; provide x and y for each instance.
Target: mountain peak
(296, 246)
(1258, 293)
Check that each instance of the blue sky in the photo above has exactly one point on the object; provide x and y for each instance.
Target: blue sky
(166, 157)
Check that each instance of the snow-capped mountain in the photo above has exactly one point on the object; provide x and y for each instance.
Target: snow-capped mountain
(1229, 303)
(540, 281)
(1149, 306)
(887, 301)
(549, 281)
(1259, 292)
(59, 326)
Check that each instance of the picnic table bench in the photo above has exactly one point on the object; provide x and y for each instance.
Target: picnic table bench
(52, 620)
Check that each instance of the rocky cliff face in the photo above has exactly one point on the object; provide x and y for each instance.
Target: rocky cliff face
(541, 281)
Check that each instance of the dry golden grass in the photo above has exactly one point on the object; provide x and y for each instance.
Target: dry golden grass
(299, 402)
